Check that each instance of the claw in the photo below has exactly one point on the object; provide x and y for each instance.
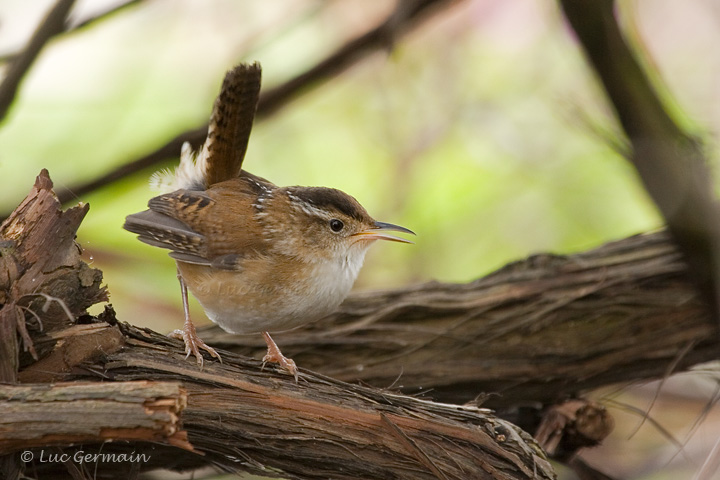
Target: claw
(274, 355)
(193, 344)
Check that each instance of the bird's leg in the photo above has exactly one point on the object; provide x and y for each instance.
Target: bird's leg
(193, 343)
(274, 355)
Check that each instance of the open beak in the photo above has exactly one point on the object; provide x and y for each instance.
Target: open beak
(377, 232)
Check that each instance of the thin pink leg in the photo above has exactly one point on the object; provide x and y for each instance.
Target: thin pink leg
(193, 343)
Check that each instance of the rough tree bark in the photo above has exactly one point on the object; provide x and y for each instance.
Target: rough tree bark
(37, 415)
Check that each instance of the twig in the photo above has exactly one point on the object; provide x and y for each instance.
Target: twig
(670, 370)
(53, 24)
(407, 15)
(71, 26)
(664, 432)
(711, 465)
(49, 299)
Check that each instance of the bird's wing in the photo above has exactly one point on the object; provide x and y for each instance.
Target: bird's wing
(215, 227)
(160, 230)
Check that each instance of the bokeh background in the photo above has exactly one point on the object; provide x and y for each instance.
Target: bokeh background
(482, 129)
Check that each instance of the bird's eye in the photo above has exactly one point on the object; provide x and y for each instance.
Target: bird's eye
(336, 225)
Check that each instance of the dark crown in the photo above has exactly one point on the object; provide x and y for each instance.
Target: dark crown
(331, 199)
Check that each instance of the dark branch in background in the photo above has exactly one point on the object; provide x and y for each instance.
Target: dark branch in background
(406, 16)
(169, 150)
(670, 161)
(53, 24)
(71, 26)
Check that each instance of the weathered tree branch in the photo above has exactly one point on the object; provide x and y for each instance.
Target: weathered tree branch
(321, 427)
(238, 417)
(39, 415)
(316, 428)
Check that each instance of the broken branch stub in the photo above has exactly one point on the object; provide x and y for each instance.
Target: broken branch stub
(44, 283)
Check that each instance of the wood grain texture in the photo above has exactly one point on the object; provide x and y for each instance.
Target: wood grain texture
(324, 428)
(43, 415)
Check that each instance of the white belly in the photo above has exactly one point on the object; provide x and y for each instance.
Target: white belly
(242, 305)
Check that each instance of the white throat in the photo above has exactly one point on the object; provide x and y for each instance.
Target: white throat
(335, 277)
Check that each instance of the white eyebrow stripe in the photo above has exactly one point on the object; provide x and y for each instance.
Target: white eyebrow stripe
(307, 207)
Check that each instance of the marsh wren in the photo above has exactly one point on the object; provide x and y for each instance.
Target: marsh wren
(259, 258)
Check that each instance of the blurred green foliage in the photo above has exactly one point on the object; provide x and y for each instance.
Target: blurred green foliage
(466, 131)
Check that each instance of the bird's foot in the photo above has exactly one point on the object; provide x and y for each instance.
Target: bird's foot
(274, 355)
(193, 343)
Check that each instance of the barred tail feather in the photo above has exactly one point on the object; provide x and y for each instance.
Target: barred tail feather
(222, 154)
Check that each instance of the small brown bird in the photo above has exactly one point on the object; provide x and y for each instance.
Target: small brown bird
(259, 258)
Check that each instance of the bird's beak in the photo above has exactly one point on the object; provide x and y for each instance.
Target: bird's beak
(377, 232)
